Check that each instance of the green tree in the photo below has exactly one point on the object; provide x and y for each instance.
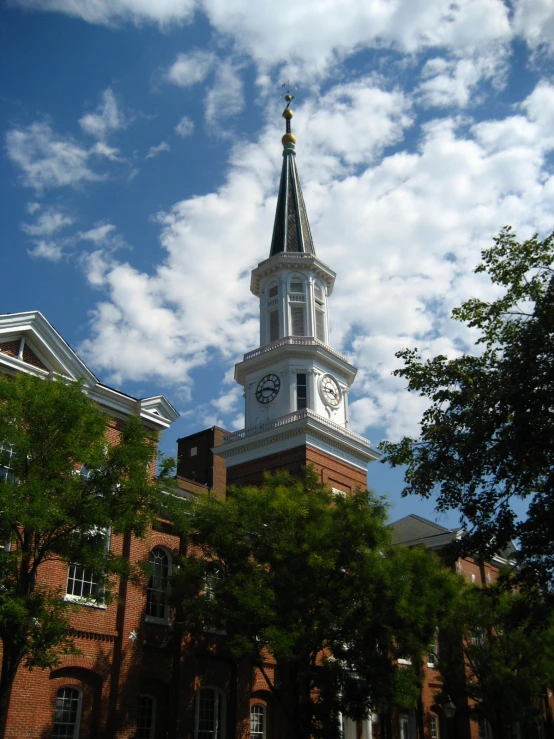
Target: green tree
(487, 438)
(495, 653)
(49, 431)
(290, 570)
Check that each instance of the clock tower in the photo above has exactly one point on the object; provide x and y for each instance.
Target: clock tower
(295, 385)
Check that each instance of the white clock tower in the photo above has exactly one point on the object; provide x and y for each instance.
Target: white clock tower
(295, 385)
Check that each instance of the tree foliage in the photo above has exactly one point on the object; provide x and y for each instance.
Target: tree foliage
(487, 438)
(289, 570)
(495, 653)
(49, 432)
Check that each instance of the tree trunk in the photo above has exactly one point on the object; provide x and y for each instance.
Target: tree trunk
(10, 663)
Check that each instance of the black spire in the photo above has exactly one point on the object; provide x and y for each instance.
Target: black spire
(291, 232)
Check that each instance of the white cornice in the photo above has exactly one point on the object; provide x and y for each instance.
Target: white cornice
(61, 361)
(271, 355)
(288, 261)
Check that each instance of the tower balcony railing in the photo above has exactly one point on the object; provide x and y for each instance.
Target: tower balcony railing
(294, 341)
(292, 418)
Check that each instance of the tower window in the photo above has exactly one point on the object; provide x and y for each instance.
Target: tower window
(273, 290)
(318, 291)
(297, 320)
(273, 325)
(301, 392)
(296, 287)
(319, 324)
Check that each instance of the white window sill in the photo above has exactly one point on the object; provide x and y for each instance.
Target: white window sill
(79, 600)
(155, 620)
(404, 661)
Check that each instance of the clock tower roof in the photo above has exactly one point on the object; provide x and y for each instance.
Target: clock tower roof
(291, 231)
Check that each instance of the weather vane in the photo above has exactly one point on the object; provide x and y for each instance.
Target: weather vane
(287, 113)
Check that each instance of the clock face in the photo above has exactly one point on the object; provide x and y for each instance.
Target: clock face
(330, 390)
(267, 389)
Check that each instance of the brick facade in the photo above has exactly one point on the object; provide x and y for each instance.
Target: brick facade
(331, 471)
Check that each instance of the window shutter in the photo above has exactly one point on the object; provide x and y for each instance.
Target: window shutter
(273, 325)
(320, 325)
(297, 320)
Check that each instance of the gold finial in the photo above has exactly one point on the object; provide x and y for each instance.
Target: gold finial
(288, 138)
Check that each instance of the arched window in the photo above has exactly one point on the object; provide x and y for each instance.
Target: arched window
(257, 721)
(209, 717)
(67, 713)
(157, 606)
(146, 717)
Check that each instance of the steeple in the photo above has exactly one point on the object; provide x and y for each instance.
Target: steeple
(291, 232)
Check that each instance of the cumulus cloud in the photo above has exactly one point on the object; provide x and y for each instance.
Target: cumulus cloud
(185, 127)
(98, 234)
(48, 223)
(226, 97)
(115, 12)
(192, 68)
(106, 119)
(534, 21)
(155, 151)
(402, 263)
(46, 159)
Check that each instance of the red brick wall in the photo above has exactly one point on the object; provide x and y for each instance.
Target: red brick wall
(332, 471)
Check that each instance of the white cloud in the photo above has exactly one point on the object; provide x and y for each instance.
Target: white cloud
(226, 97)
(192, 68)
(404, 234)
(109, 152)
(32, 208)
(534, 20)
(98, 234)
(52, 251)
(185, 127)
(46, 159)
(106, 119)
(154, 151)
(114, 12)
(48, 223)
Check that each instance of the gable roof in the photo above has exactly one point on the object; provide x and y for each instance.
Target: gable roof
(29, 343)
(414, 529)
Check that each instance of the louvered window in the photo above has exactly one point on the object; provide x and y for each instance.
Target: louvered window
(319, 324)
(273, 325)
(273, 290)
(318, 291)
(297, 320)
(296, 287)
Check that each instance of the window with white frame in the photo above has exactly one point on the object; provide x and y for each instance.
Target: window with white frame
(209, 718)
(434, 727)
(67, 713)
(82, 583)
(319, 311)
(301, 391)
(157, 606)
(485, 731)
(146, 717)
(273, 325)
(433, 653)
(297, 323)
(7, 453)
(257, 721)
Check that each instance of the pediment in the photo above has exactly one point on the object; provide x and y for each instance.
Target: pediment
(29, 343)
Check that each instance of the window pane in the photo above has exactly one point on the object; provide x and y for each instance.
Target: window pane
(257, 722)
(66, 714)
(145, 717)
(208, 714)
(301, 391)
(156, 594)
(80, 583)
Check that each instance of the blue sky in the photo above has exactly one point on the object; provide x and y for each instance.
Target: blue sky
(140, 162)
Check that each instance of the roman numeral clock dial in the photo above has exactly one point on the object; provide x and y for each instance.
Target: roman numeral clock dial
(267, 389)
(330, 391)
